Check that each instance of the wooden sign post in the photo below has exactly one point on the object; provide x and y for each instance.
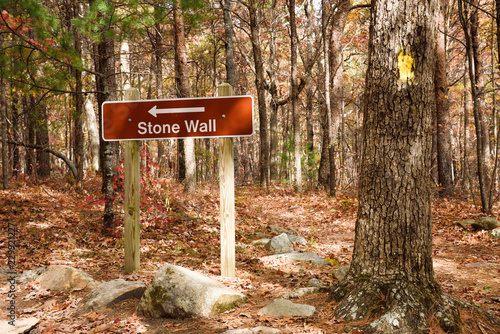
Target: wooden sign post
(226, 176)
(225, 117)
(132, 194)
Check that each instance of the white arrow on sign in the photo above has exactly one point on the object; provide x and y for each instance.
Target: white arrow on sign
(155, 111)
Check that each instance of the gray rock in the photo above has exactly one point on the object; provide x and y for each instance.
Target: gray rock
(285, 308)
(177, 292)
(280, 244)
(466, 223)
(21, 326)
(31, 275)
(496, 233)
(60, 277)
(296, 239)
(340, 273)
(7, 274)
(301, 292)
(314, 283)
(486, 223)
(112, 292)
(296, 256)
(255, 330)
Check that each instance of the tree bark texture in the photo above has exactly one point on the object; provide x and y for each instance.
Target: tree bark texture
(5, 145)
(444, 149)
(339, 20)
(261, 93)
(476, 106)
(391, 275)
(294, 96)
(106, 87)
(479, 80)
(183, 90)
(42, 139)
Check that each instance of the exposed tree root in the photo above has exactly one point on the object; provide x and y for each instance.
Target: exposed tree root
(397, 307)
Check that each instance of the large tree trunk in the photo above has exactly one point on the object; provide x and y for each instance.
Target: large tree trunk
(183, 90)
(444, 149)
(391, 275)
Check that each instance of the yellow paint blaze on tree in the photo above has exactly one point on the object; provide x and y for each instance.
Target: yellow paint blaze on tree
(406, 64)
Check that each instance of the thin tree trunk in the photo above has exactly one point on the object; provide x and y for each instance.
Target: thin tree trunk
(5, 145)
(261, 94)
(481, 168)
(337, 71)
(294, 99)
(309, 10)
(231, 70)
(42, 139)
(479, 82)
(183, 91)
(443, 129)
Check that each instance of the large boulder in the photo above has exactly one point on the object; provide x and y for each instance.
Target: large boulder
(109, 293)
(61, 277)
(176, 292)
(280, 244)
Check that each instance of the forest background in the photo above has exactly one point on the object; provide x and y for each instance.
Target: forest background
(61, 60)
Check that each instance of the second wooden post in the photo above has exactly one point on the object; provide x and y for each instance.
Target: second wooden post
(132, 195)
(226, 177)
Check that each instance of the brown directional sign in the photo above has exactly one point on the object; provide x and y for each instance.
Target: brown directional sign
(230, 116)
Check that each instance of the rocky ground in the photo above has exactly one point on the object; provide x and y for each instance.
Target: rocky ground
(60, 225)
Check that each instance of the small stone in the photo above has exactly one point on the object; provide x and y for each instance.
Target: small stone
(466, 223)
(314, 282)
(301, 292)
(21, 326)
(486, 223)
(255, 330)
(340, 273)
(296, 239)
(495, 234)
(280, 244)
(61, 277)
(296, 256)
(285, 308)
(109, 293)
(31, 275)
